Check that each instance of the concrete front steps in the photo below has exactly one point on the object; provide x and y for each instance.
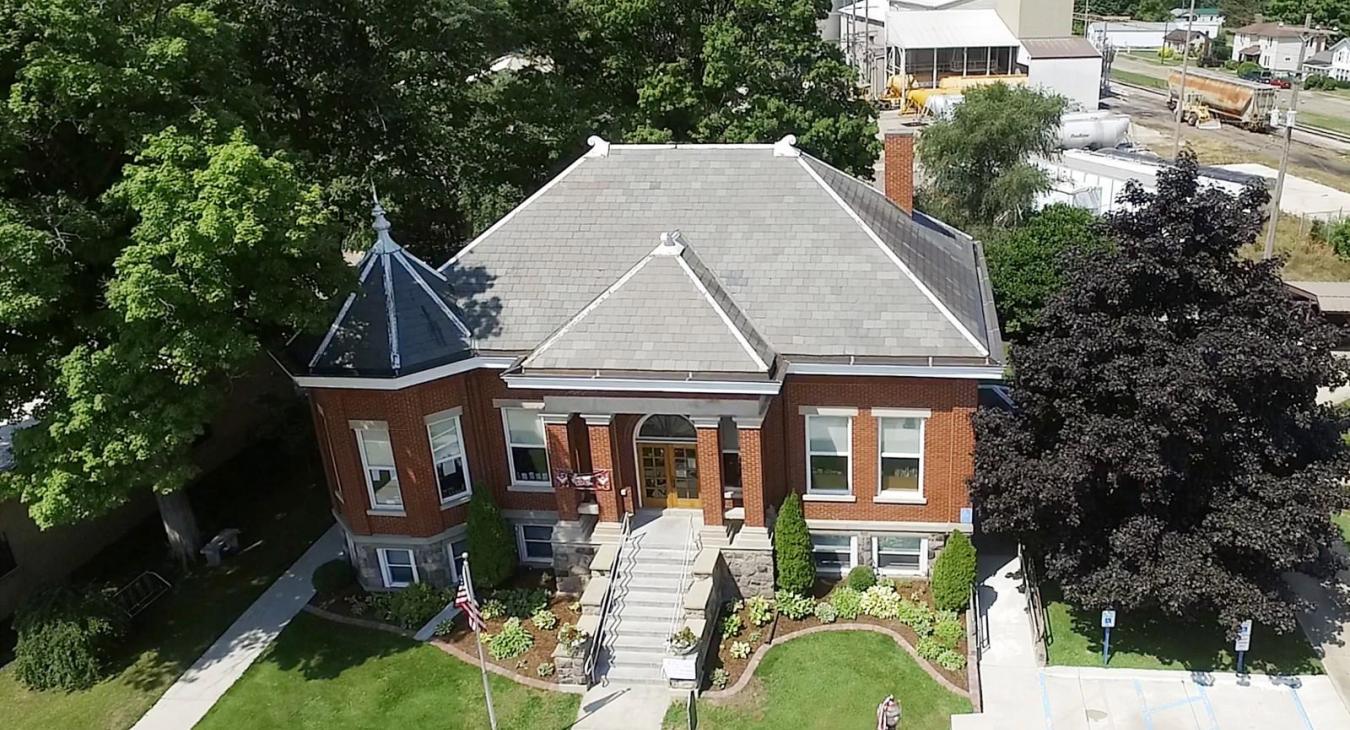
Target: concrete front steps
(648, 592)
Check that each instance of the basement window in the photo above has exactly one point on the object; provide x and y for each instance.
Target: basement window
(397, 567)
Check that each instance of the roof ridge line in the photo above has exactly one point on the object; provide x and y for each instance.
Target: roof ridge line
(369, 263)
(445, 308)
(697, 278)
(391, 311)
(590, 307)
(891, 254)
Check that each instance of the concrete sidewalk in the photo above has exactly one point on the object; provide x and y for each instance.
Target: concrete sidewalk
(614, 706)
(1326, 624)
(187, 701)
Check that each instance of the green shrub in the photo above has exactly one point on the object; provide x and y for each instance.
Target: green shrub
(333, 576)
(522, 602)
(847, 603)
(929, 648)
(881, 601)
(444, 628)
(949, 633)
(755, 637)
(792, 548)
(512, 641)
(545, 670)
(571, 639)
(720, 678)
(793, 605)
(544, 619)
(1338, 237)
(492, 608)
(740, 650)
(915, 615)
(826, 612)
(954, 573)
(65, 638)
(413, 606)
(760, 610)
(492, 545)
(861, 578)
(952, 661)
(731, 625)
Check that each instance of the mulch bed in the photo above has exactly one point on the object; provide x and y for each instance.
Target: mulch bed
(720, 654)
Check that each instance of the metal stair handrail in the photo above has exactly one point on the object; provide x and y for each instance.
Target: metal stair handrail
(589, 669)
(678, 608)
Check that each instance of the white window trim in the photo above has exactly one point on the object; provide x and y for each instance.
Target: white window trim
(450, 415)
(923, 557)
(332, 455)
(846, 495)
(852, 555)
(520, 543)
(358, 428)
(919, 497)
(516, 484)
(389, 582)
(454, 559)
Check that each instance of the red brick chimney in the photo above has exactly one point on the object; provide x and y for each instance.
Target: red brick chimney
(898, 169)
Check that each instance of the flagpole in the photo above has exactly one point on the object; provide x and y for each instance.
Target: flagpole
(478, 639)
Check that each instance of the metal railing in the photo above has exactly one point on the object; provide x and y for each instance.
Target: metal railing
(1040, 625)
(691, 709)
(981, 621)
(609, 597)
(685, 560)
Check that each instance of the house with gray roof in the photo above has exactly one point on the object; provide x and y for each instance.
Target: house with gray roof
(664, 340)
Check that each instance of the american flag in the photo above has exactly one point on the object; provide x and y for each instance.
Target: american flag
(464, 600)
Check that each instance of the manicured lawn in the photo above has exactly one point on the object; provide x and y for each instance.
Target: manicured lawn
(1138, 79)
(830, 680)
(1342, 521)
(328, 676)
(1324, 121)
(279, 518)
(1155, 643)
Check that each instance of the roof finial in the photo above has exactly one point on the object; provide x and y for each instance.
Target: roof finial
(599, 147)
(786, 147)
(381, 224)
(672, 244)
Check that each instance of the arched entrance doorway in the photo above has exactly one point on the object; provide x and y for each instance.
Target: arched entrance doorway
(667, 461)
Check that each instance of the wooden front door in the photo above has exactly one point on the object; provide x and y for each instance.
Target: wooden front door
(669, 475)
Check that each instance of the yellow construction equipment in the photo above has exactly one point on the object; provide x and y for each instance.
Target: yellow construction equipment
(1197, 114)
(960, 83)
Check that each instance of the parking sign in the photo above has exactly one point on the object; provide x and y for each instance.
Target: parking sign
(1109, 618)
(1244, 636)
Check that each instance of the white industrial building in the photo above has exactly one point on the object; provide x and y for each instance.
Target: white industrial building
(900, 45)
(1274, 46)
(1141, 34)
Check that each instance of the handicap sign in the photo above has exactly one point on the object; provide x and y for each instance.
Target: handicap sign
(1109, 618)
(1244, 636)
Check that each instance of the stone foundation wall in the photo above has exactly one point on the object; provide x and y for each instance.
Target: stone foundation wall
(570, 669)
(432, 560)
(751, 571)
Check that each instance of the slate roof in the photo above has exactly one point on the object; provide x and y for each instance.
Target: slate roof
(1270, 29)
(801, 259)
(402, 317)
(1072, 47)
(666, 314)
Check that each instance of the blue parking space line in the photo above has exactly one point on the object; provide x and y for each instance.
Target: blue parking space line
(1045, 703)
(1173, 705)
(1302, 711)
(1209, 707)
(1143, 705)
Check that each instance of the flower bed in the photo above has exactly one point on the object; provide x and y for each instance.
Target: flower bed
(905, 607)
(528, 608)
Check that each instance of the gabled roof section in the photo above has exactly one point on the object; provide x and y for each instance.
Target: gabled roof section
(943, 267)
(666, 314)
(401, 318)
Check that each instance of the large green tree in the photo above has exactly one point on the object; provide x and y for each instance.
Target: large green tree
(1325, 13)
(699, 71)
(1026, 264)
(152, 249)
(978, 162)
(1167, 452)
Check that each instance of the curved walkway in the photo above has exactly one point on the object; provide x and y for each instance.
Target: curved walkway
(899, 640)
(188, 700)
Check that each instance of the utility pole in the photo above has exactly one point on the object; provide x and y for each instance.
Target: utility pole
(1288, 137)
(1181, 95)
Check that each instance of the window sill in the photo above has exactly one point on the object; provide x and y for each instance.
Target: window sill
(809, 497)
(900, 499)
(536, 488)
(455, 501)
(387, 512)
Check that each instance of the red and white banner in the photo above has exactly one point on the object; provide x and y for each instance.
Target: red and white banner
(597, 481)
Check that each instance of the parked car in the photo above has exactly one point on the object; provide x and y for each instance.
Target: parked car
(1279, 83)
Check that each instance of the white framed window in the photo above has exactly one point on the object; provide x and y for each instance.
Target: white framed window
(377, 460)
(900, 555)
(900, 457)
(398, 567)
(526, 447)
(456, 549)
(535, 543)
(729, 444)
(834, 554)
(447, 454)
(829, 462)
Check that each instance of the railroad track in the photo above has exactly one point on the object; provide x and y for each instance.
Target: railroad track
(1314, 131)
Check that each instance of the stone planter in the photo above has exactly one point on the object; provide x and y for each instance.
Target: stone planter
(681, 668)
